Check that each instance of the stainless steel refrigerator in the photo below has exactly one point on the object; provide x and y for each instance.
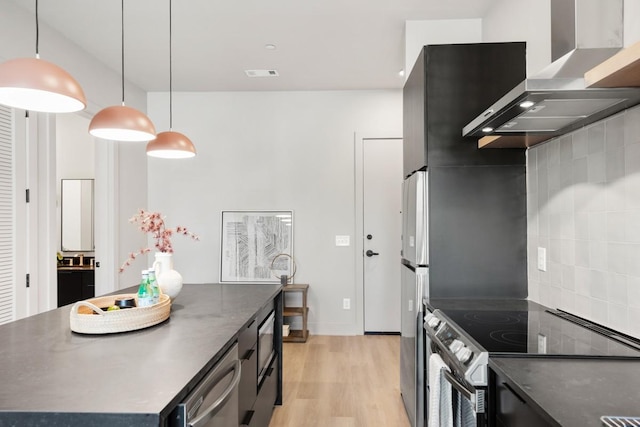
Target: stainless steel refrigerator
(414, 286)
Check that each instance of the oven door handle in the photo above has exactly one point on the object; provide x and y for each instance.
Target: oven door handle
(460, 387)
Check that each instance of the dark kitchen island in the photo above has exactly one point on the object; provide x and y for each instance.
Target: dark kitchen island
(51, 376)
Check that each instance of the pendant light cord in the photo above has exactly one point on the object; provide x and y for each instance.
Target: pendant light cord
(170, 74)
(37, 32)
(122, 46)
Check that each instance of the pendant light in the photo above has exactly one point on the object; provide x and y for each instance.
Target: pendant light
(170, 144)
(119, 122)
(38, 85)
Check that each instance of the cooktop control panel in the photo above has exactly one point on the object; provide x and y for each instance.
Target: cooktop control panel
(463, 356)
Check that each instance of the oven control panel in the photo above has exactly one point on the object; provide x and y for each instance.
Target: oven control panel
(460, 352)
(451, 339)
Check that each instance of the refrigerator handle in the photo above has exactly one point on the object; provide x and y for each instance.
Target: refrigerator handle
(422, 285)
(419, 294)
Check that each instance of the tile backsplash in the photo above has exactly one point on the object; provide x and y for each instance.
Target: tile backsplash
(583, 207)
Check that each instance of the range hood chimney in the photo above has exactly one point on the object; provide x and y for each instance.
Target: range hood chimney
(584, 33)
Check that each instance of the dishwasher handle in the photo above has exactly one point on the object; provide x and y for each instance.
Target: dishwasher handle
(212, 410)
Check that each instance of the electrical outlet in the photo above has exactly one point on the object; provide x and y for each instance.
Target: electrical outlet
(542, 344)
(542, 259)
(346, 304)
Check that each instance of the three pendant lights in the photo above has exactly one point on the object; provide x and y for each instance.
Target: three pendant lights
(38, 85)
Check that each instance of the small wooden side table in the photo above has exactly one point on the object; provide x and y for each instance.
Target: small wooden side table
(296, 335)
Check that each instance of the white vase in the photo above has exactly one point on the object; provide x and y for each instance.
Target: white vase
(169, 280)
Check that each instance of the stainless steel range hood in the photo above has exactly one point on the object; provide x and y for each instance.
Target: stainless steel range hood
(584, 33)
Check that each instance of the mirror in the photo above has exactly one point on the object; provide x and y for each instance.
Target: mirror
(77, 215)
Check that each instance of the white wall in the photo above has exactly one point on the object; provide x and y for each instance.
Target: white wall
(131, 192)
(631, 22)
(75, 148)
(272, 150)
(445, 31)
(101, 85)
(522, 20)
(529, 20)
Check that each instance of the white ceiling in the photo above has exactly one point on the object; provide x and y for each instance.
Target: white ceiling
(320, 44)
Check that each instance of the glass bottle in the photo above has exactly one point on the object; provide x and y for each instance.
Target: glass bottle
(145, 293)
(154, 286)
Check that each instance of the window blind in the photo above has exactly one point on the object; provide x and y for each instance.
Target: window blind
(6, 216)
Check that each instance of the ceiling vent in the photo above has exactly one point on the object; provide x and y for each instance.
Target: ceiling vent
(261, 73)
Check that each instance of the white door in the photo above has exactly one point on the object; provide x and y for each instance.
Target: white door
(382, 224)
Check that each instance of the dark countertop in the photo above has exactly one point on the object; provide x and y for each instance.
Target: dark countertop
(574, 392)
(48, 372)
(75, 268)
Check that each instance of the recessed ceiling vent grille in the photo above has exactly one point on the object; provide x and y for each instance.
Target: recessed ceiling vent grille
(261, 73)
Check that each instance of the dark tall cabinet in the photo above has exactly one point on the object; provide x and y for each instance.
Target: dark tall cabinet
(476, 198)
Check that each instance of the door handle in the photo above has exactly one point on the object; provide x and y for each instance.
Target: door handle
(370, 253)
(247, 419)
(248, 354)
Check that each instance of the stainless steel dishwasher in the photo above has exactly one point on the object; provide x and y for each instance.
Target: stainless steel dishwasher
(214, 402)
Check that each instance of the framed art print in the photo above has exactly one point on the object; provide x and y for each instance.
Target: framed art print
(251, 244)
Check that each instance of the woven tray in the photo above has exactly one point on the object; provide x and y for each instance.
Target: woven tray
(83, 319)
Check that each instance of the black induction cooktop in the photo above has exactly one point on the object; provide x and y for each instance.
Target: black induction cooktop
(532, 329)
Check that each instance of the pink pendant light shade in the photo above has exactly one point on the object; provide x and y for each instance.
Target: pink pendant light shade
(122, 123)
(119, 122)
(38, 85)
(171, 145)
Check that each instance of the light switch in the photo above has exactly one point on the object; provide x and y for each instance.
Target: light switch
(342, 241)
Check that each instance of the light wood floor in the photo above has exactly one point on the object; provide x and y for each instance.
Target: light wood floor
(341, 382)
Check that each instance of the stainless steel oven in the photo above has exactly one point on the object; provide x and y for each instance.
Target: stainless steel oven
(266, 350)
(464, 333)
(457, 373)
